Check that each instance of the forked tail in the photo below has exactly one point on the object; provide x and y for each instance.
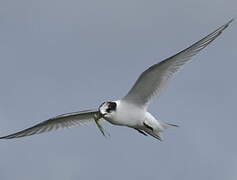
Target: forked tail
(168, 125)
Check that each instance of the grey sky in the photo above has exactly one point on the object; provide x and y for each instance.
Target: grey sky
(61, 56)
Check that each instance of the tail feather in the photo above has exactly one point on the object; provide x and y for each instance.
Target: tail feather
(168, 125)
(156, 135)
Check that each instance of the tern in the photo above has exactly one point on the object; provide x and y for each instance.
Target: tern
(131, 110)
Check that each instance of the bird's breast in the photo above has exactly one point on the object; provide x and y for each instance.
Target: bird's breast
(127, 115)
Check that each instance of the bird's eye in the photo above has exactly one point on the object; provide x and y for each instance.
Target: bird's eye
(111, 107)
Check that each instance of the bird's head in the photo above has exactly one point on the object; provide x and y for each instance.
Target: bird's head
(107, 109)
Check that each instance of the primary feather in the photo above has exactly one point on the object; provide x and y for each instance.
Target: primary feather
(152, 81)
(61, 121)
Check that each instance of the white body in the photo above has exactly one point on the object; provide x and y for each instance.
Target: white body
(137, 117)
(126, 114)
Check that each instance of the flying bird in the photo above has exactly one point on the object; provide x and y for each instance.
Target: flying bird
(131, 110)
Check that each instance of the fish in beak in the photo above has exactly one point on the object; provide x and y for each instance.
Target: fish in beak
(97, 119)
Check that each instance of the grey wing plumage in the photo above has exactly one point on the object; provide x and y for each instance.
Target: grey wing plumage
(61, 121)
(152, 81)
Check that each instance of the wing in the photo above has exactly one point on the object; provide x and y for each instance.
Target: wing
(152, 81)
(61, 121)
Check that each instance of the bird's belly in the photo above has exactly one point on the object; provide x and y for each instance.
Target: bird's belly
(130, 120)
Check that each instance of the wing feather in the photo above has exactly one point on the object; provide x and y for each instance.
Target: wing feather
(61, 121)
(152, 81)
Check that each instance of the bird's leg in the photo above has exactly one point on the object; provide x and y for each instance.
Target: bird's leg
(102, 130)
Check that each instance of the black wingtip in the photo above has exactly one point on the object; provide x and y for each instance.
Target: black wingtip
(229, 22)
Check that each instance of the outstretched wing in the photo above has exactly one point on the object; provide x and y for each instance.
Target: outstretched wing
(152, 81)
(61, 121)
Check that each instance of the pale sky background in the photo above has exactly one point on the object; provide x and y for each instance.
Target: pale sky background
(59, 56)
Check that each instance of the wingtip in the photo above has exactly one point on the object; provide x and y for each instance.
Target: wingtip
(223, 27)
(229, 22)
(4, 137)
